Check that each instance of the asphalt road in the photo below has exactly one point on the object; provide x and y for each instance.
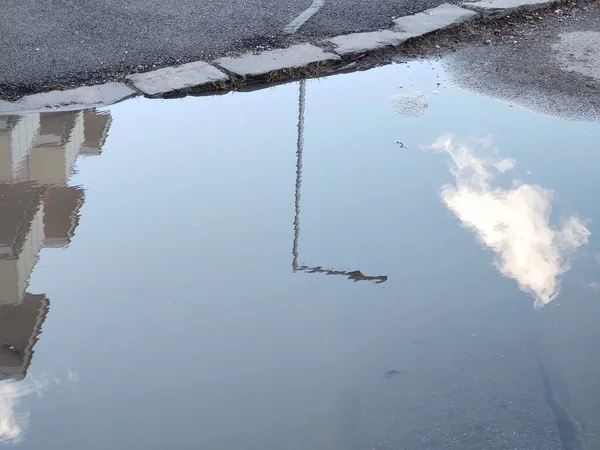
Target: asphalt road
(60, 41)
(547, 63)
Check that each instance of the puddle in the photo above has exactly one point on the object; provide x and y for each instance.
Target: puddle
(250, 270)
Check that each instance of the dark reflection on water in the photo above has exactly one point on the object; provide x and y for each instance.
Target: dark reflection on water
(38, 210)
(177, 322)
(355, 275)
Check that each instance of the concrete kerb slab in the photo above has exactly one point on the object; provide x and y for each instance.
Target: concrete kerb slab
(501, 8)
(434, 19)
(404, 28)
(274, 62)
(70, 99)
(196, 75)
(355, 43)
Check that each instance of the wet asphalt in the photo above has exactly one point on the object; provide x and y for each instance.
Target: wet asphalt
(60, 41)
(547, 63)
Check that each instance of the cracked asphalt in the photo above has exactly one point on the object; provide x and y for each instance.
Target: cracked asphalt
(61, 42)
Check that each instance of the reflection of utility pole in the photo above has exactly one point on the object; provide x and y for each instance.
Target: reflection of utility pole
(299, 149)
(355, 275)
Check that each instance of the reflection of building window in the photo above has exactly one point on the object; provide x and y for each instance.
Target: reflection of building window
(16, 137)
(59, 140)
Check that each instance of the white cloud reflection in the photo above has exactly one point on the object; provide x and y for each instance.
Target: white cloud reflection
(514, 222)
(12, 424)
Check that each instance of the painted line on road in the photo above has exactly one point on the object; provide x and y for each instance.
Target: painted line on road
(295, 24)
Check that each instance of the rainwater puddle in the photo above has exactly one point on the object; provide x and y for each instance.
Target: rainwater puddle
(274, 270)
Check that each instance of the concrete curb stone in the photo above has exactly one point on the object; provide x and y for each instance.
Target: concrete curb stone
(501, 8)
(70, 99)
(170, 79)
(438, 18)
(354, 43)
(294, 57)
(408, 27)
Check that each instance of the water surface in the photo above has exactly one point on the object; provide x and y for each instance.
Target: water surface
(272, 270)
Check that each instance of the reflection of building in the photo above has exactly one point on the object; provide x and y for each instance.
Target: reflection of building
(21, 237)
(61, 214)
(95, 130)
(16, 136)
(19, 329)
(37, 209)
(56, 146)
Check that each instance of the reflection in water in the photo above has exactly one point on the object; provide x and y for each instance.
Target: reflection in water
(20, 326)
(512, 222)
(411, 104)
(569, 430)
(37, 210)
(13, 424)
(355, 275)
(299, 150)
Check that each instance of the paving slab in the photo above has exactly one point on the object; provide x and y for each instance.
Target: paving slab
(296, 56)
(169, 79)
(443, 16)
(355, 43)
(71, 99)
(499, 8)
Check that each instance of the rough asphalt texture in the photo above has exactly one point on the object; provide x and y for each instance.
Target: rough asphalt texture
(547, 62)
(351, 16)
(55, 42)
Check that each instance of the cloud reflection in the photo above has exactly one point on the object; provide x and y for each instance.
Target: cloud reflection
(12, 423)
(514, 222)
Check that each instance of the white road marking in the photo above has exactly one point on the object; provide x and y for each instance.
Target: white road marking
(295, 24)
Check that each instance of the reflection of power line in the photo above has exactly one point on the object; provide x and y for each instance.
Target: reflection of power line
(355, 275)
